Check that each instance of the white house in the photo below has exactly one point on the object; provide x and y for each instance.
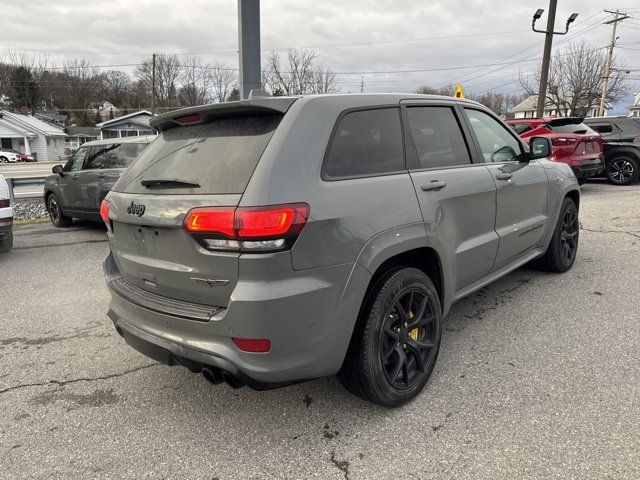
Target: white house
(527, 109)
(634, 110)
(27, 134)
(130, 125)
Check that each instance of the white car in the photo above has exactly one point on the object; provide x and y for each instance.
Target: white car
(6, 217)
(7, 156)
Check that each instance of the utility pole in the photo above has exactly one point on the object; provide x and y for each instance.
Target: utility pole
(249, 43)
(617, 17)
(153, 84)
(548, 42)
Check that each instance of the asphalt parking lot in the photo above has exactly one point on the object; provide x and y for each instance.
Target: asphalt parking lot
(538, 377)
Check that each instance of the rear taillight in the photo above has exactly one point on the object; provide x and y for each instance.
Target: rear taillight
(563, 142)
(5, 202)
(104, 213)
(254, 229)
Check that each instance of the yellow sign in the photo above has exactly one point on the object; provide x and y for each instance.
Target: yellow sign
(458, 93)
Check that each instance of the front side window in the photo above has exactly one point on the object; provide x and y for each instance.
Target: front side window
(437, 137)
(76, 161)
(496, 143)
(365, 143)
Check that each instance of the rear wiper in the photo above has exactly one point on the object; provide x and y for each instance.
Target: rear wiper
(168, 183)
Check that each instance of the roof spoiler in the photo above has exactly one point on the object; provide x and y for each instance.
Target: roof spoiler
(558, 122)
(257, 103)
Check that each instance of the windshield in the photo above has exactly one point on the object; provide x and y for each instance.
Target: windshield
(578, 128)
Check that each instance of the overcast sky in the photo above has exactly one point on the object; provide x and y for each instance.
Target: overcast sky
(349, 36)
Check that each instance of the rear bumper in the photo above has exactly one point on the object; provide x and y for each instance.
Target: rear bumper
(306, 317)
(588, 168)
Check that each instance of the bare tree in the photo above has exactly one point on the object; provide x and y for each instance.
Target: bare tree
(224, 79)
(324, 80)
(429, 90)
(500, 103)
(575, 80)
(118, 88)
(83, 84)
(196, 84)
(21, 78)
(297, 77)
(168, 70)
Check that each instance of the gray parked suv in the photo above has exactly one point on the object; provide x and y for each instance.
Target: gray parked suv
(273, 240)
(77, 189)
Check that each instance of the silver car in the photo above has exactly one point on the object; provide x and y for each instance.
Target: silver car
(274, 240)
(77, 189)
(6, 217)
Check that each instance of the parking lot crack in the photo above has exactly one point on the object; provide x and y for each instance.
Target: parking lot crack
(343, 465)
(632, 233)
(76, 380)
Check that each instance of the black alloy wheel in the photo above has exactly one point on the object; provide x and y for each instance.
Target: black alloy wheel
(407, 338)
(569, 234)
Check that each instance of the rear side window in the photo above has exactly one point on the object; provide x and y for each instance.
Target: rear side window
(365, 143)
(602, 128)
(220, 156)
(117, 155)
(437, 137)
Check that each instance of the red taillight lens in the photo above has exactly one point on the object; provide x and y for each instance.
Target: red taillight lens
(248, 228)
(563, 142)
(211, 220)
(104, 211)
(189, 118)
(270, 222)
(260, 345)
(5, 202)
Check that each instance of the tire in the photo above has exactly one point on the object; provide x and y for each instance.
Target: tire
(56, 215)
(622, 169)
(563, 248)
(6, 244)
(4, 160)
(388, 340)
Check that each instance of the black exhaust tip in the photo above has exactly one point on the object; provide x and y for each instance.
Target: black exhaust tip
(213, 375)
(232, 381)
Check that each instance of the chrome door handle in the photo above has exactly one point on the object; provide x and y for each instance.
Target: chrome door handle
(433, 185)
(504, 176)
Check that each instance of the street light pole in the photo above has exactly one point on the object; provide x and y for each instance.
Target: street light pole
(548, 42)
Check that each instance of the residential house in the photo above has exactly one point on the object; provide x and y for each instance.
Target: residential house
(130, 125)
(27, 134)
(634, 110)
(106, 110)
(527, 109)
(76, 136)
(52, 117)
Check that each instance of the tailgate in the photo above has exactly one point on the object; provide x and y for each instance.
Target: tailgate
(153, 251)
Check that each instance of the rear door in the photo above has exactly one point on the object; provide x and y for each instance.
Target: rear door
(522, 187)
(150, 247)
(457, 197)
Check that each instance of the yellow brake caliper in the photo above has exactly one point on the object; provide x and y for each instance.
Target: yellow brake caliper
(413, 333)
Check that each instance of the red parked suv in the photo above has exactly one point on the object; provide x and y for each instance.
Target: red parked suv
(574, 143)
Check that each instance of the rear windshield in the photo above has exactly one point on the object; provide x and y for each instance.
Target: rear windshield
(521, 128)
(219, 156)
(579, 128)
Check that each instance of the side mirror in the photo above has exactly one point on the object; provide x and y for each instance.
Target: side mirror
(57, 170)
(540, 147)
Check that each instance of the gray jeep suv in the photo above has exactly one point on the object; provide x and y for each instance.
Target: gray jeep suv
(274, 240)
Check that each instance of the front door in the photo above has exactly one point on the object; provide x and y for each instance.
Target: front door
(457, 198)
(522, 187)
(69, 184)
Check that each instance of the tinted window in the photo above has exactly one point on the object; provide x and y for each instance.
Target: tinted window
(76, 161)
(628, 126)
(579, 128)
(437, 137)
(521, 128)
(496, 143)
(603, 128)
(365, 143)
(220, 156)
(118, 155)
